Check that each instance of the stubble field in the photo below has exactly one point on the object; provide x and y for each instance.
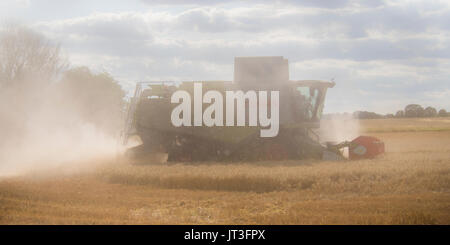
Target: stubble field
(409, 184)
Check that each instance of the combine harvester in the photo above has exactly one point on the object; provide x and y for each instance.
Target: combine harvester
(299, 105)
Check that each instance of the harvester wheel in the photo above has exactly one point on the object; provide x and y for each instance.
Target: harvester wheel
(274, 151)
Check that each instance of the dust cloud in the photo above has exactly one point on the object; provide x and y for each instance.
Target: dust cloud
(53, 117)
(337, 128)
(44, 132)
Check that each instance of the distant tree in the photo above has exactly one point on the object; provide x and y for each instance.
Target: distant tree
(96, 98)
(366, 115)
(414, 110)
(400, 114)
(443, 113)
(346, 115)
(430, 112)
(28, 64)
(28, 60)
(390, 115)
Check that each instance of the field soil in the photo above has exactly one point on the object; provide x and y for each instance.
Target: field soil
(409, 184)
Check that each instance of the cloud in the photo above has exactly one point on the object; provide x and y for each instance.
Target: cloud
(104, 26)
(304, 3)
(439, 95)
(15, 3)
(397, 51)
(252, 30)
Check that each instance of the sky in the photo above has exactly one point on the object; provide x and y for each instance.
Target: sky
(382, 55)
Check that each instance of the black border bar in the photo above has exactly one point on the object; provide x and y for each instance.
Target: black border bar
(147, 234)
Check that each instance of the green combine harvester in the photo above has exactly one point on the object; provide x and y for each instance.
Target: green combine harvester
(300, 109)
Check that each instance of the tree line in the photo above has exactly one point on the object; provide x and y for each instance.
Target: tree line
(410, 111)
(39, 88)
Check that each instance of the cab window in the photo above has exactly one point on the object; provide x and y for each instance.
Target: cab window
(308, 100)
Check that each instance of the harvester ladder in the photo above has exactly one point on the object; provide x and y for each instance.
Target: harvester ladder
(129, 121)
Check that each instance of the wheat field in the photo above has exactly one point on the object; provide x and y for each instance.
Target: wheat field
(409, 184)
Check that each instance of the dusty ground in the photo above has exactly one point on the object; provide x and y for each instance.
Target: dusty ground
(410, 184)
